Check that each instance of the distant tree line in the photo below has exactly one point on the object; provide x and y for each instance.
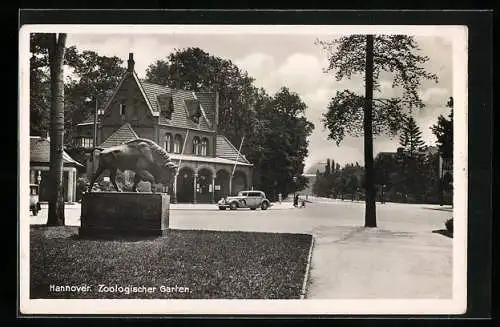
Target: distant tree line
(339, 182)
(409, 174)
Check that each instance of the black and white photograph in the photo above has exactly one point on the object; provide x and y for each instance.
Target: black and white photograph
(244, 169)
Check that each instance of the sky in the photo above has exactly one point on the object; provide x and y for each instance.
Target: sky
(295, 61)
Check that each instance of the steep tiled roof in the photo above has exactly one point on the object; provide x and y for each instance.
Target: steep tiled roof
(226, 150)
(123, 134)
(207, 100)
(177, 157)
(180, 114)
(40, 152)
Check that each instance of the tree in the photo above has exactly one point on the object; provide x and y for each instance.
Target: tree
(443, 131)
(278, 146)
(39, 85)
(385, 165)
(342, 187)
(327, 167)
(94, 78)
(411, 137)
(352, 114)
(352, 186)
(56, 47)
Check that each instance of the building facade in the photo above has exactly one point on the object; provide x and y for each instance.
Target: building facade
(184, 123)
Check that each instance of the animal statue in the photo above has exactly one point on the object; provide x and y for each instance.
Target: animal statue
(148, 160)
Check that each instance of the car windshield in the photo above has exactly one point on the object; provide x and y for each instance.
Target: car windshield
(240, 193)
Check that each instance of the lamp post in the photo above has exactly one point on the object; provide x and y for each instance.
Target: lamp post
(97, 112)
(383, 189)
(294, 189)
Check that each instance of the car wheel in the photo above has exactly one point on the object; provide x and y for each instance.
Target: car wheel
(35, 212)
(253, 208)
(233, 206)
(222, 208)
(264, 206)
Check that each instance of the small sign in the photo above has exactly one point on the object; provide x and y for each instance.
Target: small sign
(217, 187)
(210, 188)
(106, 179)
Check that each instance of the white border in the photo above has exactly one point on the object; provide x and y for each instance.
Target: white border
(457, 305)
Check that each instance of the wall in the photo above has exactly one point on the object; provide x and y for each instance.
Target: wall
(86, 130)
(137, 112)
(189, 143)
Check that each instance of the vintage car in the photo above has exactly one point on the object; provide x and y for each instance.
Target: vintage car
(245, 199)
(34, 199)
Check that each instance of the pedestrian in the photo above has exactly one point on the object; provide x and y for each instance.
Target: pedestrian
(296, 200)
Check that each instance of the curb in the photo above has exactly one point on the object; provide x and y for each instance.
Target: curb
(308, 270)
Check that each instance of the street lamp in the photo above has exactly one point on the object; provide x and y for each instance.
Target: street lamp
(383, 189)
(98, 112)
(294, 189)
(274, 190)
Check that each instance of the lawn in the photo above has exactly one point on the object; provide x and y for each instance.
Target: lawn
(184, 264)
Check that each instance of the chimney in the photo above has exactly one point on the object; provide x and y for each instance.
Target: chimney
(131, 62)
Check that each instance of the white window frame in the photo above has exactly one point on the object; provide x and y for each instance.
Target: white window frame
(177, 143)
(168, 142)
(204, 146)
(86, 142)
(196, 145)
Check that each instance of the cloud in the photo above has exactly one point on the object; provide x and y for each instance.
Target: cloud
(259, 66)
(146, 49)
(435, 95)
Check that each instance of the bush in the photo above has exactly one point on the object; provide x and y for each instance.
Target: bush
(449, 225)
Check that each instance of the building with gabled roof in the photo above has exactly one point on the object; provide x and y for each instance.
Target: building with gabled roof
(184, 123)
(40, 166)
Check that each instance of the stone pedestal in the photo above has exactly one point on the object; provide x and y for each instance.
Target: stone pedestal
(124, 214)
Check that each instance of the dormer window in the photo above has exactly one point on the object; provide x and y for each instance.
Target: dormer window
(123, 108)
(166, 104)
(193, 110)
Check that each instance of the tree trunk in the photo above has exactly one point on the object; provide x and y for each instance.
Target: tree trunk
(370, 212)
(56, 49)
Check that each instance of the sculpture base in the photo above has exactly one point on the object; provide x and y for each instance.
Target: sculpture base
(124, 214)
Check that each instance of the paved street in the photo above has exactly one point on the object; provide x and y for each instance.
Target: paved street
(401, 258)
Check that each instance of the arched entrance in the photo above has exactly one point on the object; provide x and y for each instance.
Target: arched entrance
(185, 187)
(204, 186)
(239, 182)
(221, 184)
